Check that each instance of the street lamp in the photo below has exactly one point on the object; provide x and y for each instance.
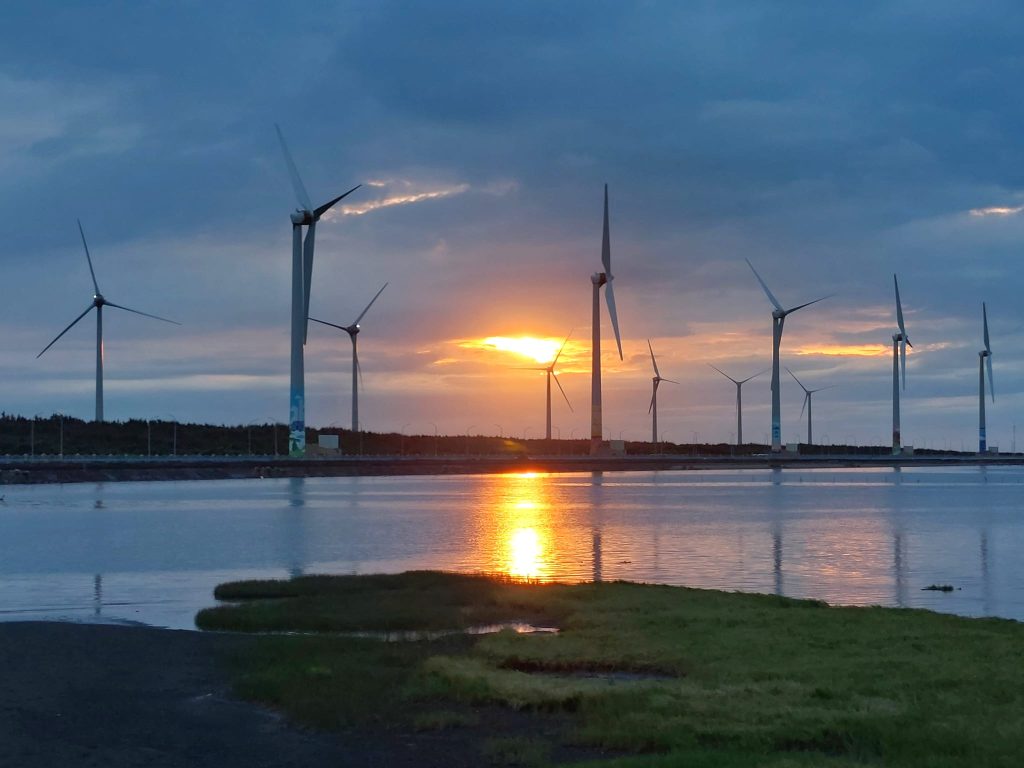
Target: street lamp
(435, 436)
(174, 434)
(467, 437)
(401, 433)
(501, 429)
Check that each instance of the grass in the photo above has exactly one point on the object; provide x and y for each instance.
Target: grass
(656, 675)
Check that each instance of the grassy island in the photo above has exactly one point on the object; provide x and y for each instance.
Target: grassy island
(635, 675)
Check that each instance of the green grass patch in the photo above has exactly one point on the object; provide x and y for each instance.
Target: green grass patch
(675, 676)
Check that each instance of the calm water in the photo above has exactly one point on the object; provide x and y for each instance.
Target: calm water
(152, 552)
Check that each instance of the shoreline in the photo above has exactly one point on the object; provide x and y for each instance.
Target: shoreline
(23, 471)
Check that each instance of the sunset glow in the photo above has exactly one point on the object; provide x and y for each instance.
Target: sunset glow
(847, 350)
(538, 350)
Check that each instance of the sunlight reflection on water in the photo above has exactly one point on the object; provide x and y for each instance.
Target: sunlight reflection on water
(152, 552)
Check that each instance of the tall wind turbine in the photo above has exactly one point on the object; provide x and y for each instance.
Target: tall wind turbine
(984, 359)
(653, 410)
(739, 400)
(807, 403)
(900, 342)
(549, 370)
(597, 280)
(98, 302)
(302, 274)
(778, 320)
(357, 372)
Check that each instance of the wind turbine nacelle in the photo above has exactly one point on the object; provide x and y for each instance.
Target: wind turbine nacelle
(599, 278)
(301, 217)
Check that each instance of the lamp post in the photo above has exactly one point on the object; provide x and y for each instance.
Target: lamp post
(62, 435)
(435, 436)
(174, 434)
(467, 437)
(149, 438)
(401, 450)
(501, 429)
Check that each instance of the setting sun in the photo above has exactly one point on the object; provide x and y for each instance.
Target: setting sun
(539, 350)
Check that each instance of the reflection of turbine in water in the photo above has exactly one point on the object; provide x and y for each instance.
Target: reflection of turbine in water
(899, 565)
(294, 527)
(97, 594)
(777, 555)
(596, 480)
(986, 581)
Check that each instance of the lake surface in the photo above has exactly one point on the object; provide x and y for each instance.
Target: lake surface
(152, 552)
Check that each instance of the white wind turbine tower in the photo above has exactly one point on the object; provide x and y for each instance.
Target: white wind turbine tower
(98, 302)
(984, 359)
(807, 403)
(900, 342)
(549, 370)
(653, 409)
(778, 320)
(597, 280)
(739, 400)
(302, 274)
(357, 372)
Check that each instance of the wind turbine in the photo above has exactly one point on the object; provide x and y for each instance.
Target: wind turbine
(302, 274)
(597, 280)
(357, 372)
(98, 302)
(549, 369)
(778, 320)
(984, 359)
(807, 403)
(900, 342)
(653, 410)
(739, 400)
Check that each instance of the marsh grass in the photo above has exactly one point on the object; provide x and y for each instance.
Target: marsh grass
(708, 678)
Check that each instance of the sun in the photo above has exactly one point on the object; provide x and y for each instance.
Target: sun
(539, 350)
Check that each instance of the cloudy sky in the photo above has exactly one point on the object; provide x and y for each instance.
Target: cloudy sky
(832, 144)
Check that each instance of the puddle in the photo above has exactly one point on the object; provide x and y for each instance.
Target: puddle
(416, 635)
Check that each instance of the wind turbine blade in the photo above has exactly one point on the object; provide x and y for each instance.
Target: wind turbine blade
(651, 406)
(903, 361)
(653, 361)
(899, 307)
(730, 378)
(768, 293)
(88, 257)
(561, 348)
(144, 314)
(555, 376)
(807, 396)
(610, 298)
(796, 379)
(327, 206)
(356, 321)
(984, 315)
(606, 245)
(759, 373)
(359, 370)
(801, 306)
(70, 326)
(300, 190)
(307, 273)
(991, 384)
(324, 322)
(670, 381)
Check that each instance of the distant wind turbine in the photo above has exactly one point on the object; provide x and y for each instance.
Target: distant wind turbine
(807, 403)
(739, 399)
(357, 372)
(900, 342)
(549, 370)
(984, 360)
(778, 320)
(598, 279)
(653, 410)
(302, 275)
(98, 302)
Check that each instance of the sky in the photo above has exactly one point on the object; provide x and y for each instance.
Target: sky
(831, 144)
